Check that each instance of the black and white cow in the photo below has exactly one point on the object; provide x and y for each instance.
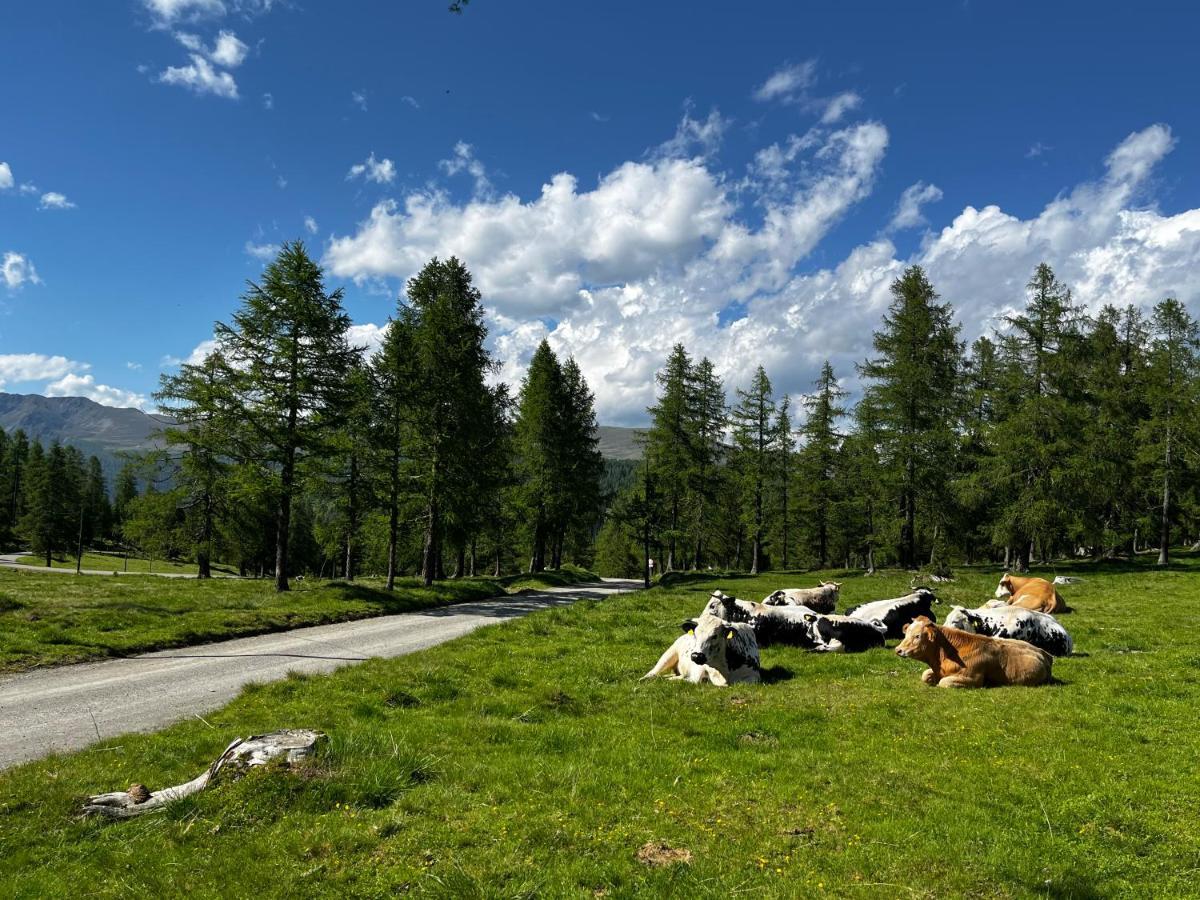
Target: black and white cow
(822, 599)
(897, 613)
(1037, 628)
(799, 626)
(713, 650)
(729, 608)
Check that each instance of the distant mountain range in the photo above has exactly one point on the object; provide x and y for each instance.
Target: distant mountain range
(103, 431)
(107, 431)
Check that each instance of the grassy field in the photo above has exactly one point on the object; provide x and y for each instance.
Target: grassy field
(527, 760)
(51, 619)
(107, 562)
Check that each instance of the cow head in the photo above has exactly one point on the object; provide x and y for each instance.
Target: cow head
(776, 598)
(1005, 588)
(960, 618)
(720, 605)
(920, 638)
(709, 637)
(834, 586)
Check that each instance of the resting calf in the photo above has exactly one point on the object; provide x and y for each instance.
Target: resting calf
(959, 659)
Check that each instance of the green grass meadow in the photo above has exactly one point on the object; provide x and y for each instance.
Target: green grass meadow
(53, 619)
(114, 562)
(527, 760)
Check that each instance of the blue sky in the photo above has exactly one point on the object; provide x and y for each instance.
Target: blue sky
(620, 176)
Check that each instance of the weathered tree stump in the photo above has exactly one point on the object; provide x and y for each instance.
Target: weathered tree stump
(289, 746)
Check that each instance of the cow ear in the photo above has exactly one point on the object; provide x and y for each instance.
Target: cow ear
(689, 626)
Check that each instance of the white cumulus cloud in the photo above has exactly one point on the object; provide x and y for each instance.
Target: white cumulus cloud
(6, 176)
(310, 224)
(671, 249)
(19, 368)
(73, 385)
(381, 171)
(17, 270)
(464, 160)
(789, 82)
(55, 200)
(228, 51)
(168, 12)
(908, 210)
(201, 77)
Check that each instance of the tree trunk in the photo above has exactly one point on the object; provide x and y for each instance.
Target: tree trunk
(460, 560)
(474, 542)
(1164, 533)
(430, 555)
(538, 562)
(283, 522)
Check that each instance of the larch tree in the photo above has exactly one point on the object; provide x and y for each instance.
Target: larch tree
(1170, 431)
(669, 446)
(911, 388)
(818, 458)
(754, 435)
(281, 379)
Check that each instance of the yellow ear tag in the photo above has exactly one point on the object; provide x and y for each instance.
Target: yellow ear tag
(729, 637)
(691, 631)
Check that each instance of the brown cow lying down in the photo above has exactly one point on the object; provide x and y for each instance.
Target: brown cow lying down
(1037, 594)
(713, 650)
(961, 659)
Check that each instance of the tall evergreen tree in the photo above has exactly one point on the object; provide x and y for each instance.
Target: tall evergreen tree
(538, 437)
(783, 447)
(281, 379)
(911, 391)
(584, 466)
(445, 392)
(669, 445)
(708, 419)
(818, 458)
(754, 435)
(1171, 429)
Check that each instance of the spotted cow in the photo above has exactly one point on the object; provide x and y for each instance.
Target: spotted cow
(1040, 629)
(822, 599)
(713, 650)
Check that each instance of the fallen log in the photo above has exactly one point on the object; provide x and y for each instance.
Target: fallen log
(289, 746)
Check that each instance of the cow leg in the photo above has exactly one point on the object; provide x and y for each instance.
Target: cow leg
(715, 676)
(668, 660)
(960, 681)
(834, 646)
(928, 677)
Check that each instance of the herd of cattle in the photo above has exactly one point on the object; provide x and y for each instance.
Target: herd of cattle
(1010, 640)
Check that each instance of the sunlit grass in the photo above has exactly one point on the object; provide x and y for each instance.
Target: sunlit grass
(52, 619)
(527, 760)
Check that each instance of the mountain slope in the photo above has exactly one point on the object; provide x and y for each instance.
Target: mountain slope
(107, 431)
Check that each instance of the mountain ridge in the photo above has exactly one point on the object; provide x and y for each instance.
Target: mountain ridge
(109, 431)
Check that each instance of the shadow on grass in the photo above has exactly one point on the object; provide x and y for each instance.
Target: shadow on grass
(776, 674)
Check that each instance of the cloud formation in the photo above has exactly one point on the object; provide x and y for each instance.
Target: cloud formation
(380, 171)
(672, 249)
(17, 270)
(55, 200)
(6, 176)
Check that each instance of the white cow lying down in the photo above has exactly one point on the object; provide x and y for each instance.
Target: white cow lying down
(711, 649)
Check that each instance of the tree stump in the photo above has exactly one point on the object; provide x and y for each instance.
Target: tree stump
(289, 746)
